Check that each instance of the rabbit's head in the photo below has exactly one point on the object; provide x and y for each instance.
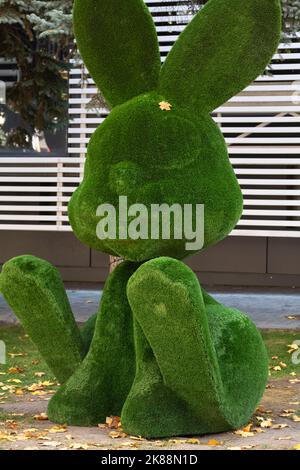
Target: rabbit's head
(159, 144)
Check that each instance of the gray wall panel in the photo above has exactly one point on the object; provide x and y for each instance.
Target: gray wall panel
(61, 249)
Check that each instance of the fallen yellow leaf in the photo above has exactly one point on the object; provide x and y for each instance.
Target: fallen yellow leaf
(193, 441)
(78, 446)
(266, 423)
(15, 370)
(35, 387)
(51, 444)
(177, 441)
(41, 417)
(242, 433)
(113, 422)
(4, 436)
(38, 393)
(248, 428)
(33, 433)
(213, 442)
(280, 426)
(57, 429)
(292, 348)
(46, 383)
(282, 364)
(39, 374)
(117, 435)
(258, 430)
(133, 445)
(165, 106)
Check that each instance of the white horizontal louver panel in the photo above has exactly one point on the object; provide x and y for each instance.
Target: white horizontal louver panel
(9, 73)
(34, 192)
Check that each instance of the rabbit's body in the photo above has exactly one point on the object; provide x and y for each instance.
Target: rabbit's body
(164, 353)
(146, 153)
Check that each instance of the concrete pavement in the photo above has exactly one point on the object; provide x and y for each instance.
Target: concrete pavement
(268, 308)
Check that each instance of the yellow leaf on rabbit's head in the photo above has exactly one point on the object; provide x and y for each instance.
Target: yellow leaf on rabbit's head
(165, 106)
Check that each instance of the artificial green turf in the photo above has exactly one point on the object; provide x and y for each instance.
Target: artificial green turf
(100, 385)
(201, 367)
(225, 47)
(34, 290)
(147, 154)
(118, 43)
(193, 376)
(154, 156)
(87, 332)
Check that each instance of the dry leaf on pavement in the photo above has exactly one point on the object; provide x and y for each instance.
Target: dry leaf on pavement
(41, 417)
(58, 429)
(213, 442)
(280, 426)
(193, 441)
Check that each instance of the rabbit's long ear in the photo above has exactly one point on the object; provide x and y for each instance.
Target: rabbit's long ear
(118, 43)
(224, 48)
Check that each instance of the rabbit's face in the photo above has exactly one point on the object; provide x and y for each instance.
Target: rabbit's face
(154, 152)
(159, 144)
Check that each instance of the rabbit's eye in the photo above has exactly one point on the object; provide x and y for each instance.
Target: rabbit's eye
(125, 177)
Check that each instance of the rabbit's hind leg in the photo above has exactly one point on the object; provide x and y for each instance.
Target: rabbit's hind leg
(243, 361)
(178, 386)
(101, 383)
(87, 332)
(34, 290)
(201, 367)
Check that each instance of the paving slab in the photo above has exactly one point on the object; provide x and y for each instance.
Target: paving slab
(267, 309)
(272, 429)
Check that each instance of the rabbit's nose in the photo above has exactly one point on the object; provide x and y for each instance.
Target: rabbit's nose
(125, 178)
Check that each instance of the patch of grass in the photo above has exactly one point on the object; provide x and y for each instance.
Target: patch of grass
(18, 418)
(277, 343)
(3, 416)
(23, 362)
(30, 362)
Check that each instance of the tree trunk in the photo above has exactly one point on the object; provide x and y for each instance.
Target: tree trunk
(114, 261)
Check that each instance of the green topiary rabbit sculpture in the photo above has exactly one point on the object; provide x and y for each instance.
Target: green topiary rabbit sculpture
(160, 352)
